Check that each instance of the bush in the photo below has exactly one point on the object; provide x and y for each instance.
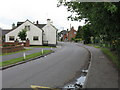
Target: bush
(6, 45)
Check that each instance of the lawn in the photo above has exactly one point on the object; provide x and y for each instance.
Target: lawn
(15, 52)
(16, 60)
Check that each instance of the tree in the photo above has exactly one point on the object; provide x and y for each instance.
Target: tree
(103, 17)
(86, 35)
(78, 35)
(22, 34)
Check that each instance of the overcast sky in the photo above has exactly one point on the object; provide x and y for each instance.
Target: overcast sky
(13, 11)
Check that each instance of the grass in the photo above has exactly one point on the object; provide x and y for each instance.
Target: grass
(96, 46)
(108, 53)
(42, 46)
(15, 52)
(111, 56)
(16, 60)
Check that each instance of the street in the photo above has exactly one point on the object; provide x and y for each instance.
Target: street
(54, 70)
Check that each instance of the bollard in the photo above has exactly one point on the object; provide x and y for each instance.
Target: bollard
(24, 56)
(51, 48)
(42, 51)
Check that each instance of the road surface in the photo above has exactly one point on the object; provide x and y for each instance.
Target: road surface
(54, 70)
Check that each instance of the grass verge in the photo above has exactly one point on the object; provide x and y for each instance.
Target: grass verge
(16, 60)
(15, 52)
(96, 46)
(109, 54)
(42, 46)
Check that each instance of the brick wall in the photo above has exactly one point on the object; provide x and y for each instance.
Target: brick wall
(12, 49)
(26, 44)
(14, 46)
(71, 34)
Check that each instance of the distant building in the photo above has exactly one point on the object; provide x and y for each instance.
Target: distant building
(3, 32)
(71, 34)
(66, 35)
(63, 35)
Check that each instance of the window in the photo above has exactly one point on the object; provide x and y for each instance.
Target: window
(35, 38)
(11, 38)
(74, 32)
(27, 28)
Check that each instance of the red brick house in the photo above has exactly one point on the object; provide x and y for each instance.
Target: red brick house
(71, 34)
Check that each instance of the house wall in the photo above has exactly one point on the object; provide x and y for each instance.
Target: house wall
(34, 31)
(71, 34)
(50, 34)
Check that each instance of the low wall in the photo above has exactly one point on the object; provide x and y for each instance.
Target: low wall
(12, 49)
(26, 44)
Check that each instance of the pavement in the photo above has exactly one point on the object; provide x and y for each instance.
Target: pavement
(102, 73)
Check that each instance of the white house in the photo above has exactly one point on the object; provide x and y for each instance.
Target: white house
(38, 34)
(49, 33)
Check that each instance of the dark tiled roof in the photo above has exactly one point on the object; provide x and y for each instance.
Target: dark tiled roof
(5, 31)
(54, 27)
(19, 23)
(64, 32)
(40, 25)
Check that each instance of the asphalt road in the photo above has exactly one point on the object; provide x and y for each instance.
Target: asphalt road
(54, 70)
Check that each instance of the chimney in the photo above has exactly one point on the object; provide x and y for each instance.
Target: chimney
(13, 25)
(67, 30)
(70, 26)
(48, 21)
(37, 22)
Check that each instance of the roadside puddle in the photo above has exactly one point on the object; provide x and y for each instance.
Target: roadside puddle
(78, 83)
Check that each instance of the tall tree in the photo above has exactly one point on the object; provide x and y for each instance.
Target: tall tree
(78, 35)
(103, 16)
(86, 34)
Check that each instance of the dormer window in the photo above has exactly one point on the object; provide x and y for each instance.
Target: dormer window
(27, 27)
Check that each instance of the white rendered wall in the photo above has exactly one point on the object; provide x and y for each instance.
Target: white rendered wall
(34, 31)
(50, 34)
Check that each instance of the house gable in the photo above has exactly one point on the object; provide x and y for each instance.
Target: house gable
(23, 23)
(50, 34)
(34, 31)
